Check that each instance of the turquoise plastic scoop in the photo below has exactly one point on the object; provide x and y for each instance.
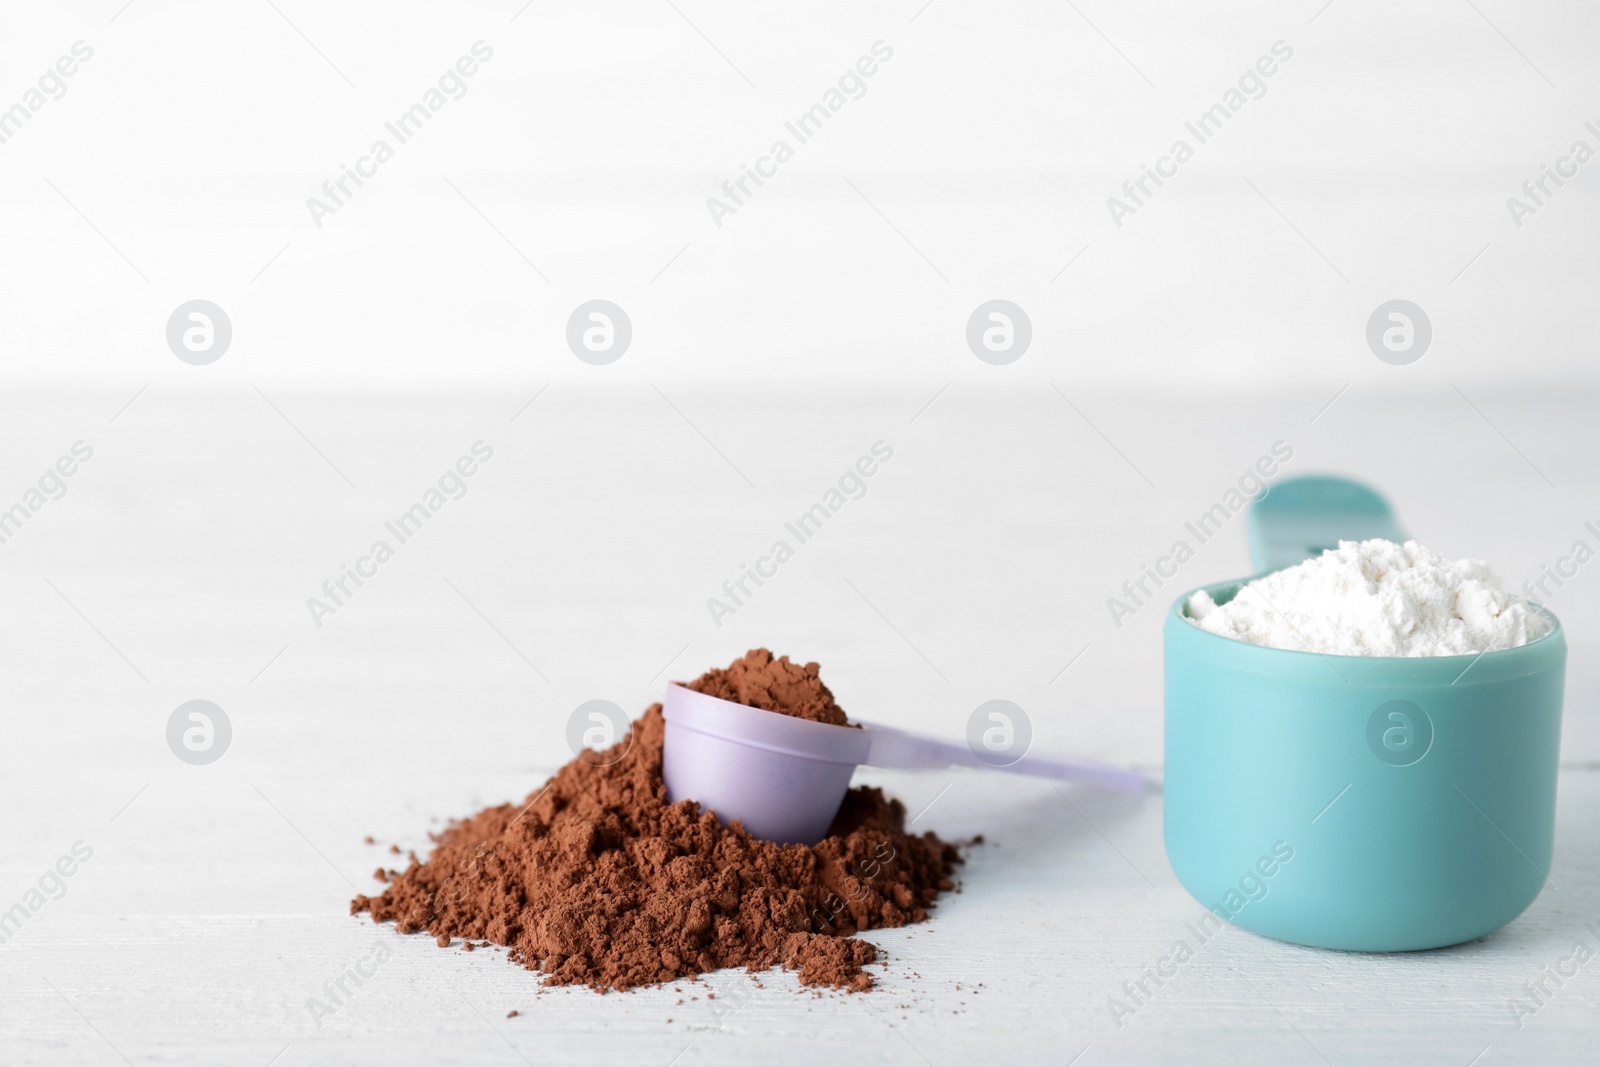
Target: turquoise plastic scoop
(1356, 802)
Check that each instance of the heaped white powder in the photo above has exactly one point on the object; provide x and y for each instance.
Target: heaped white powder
(1375, 598)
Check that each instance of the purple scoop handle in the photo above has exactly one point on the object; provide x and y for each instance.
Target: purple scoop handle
(784, 778)
(898, 749)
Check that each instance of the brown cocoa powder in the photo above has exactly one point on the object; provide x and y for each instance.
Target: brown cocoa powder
(758, 680)
(596, 880)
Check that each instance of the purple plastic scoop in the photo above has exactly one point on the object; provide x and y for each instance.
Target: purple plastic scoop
(784, 778)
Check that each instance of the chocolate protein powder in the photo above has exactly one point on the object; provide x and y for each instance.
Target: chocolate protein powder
(776, 685)
(596, 880)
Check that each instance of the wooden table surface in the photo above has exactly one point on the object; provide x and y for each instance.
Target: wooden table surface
(214, 905)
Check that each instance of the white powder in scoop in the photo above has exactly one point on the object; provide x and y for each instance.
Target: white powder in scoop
(1375, 598)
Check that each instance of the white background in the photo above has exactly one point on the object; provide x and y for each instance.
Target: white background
(768, 354)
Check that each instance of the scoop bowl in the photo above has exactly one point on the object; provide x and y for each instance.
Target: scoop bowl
(783, 777)
(1367, 803)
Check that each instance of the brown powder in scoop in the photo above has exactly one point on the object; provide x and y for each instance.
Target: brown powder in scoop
(758, 680)
(596, 880)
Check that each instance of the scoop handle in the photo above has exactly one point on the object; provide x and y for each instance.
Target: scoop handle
(1299, 517)
(898, 749)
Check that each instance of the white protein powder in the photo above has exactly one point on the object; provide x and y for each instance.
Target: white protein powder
(1375, 598)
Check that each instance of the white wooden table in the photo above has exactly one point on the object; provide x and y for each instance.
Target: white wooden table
(219, 946)
(214, 905)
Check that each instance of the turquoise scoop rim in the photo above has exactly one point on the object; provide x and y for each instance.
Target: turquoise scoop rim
(1542, 653)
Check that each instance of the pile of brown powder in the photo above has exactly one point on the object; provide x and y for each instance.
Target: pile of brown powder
(597, 880)
(776, 685)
